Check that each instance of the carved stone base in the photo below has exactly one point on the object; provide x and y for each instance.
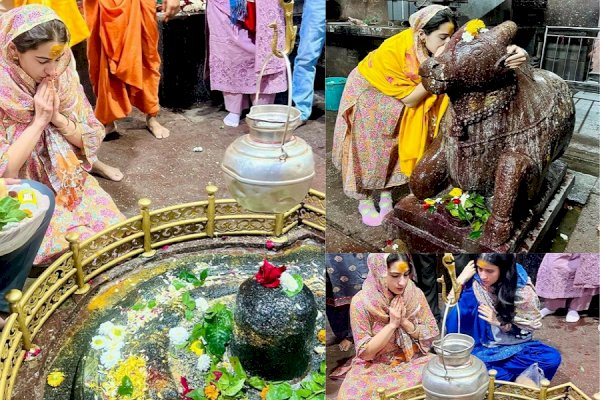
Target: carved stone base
(432, 233)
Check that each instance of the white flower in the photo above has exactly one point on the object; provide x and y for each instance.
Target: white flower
(117, 333)
(114, 345)
(467, 37)
(203, 363)
(463, 197)
(438, 200)
(201, 305)
(110, 358)
(483, 30)
(288, 282)
(105, 328)
(395, 246)
(99, 342)
(178, 335)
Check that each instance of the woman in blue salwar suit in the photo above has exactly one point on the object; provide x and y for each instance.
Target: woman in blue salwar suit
(499, 308)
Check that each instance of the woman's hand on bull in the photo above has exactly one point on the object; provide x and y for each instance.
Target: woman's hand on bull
(488, 314)
(519, 56)
(43, 105)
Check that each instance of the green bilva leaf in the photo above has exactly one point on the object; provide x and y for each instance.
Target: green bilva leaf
(178, 284)
(304, 393)
(256, 382)
(218, 330)
(204, 274)
(281, 391)
(319, 378)
(188, 302)
(234, 387)
(189, 277)
(152, 304)
(468, 203)
(237, 367)
(322, 367)
(476, 225)
(10, 211)
(189, 315)
(126, 387)
(475, 234)
(224, 381)
(295, 396)
(300, 283)
(196, 394)
(138, 306)
(198, 331)
(454, 212)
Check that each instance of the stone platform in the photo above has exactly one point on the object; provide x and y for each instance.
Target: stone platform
(433, 233)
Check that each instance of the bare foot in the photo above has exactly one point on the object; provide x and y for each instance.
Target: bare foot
(156, 128)
(106, 171)
(345, 345)
(110, 128)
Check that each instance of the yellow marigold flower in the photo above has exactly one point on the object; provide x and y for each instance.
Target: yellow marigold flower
(473, 27)
(211, 392)
(429, 201)
(196, 347)
(55, 378)
(321, 336)
(263, 392)
(456, 192)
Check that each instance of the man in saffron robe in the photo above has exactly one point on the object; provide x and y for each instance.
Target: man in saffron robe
(124, 60)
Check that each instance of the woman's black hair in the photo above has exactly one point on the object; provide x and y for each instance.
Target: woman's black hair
(505, 286)
(442, 16)
(50, 31)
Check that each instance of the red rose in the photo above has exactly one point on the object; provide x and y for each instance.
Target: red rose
(186, 388)
(456, 201)
(389, 242)
(268, 274)
(426, 206)
(269, 244)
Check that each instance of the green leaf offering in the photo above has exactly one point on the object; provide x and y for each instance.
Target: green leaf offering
(298, 279)
(256, 382)
(280, 391)
(218, 322)
(10, 211)
(126, 387)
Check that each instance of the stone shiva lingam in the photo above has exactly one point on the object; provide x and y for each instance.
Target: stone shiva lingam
(499, 138)
(274, 322)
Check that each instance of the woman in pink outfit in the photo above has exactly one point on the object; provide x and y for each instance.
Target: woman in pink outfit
(568, 280)
(240, 40)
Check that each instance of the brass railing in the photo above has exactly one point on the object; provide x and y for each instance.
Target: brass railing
(137, 236)
(500, 390)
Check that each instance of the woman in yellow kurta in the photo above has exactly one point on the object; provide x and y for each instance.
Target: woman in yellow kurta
(386, 117)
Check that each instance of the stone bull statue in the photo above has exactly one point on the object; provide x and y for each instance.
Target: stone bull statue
(502, 130)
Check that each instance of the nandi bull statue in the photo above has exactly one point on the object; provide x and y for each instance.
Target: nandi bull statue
(503, 127)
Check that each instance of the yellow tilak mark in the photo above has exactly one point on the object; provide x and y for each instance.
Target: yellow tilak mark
(484, 264)
(399, 267)
(56, 51)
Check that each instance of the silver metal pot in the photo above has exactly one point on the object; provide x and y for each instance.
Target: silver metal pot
(269, 170)
(455, 373)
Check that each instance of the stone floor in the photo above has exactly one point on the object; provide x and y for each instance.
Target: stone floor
(577, 342)
(169, 172)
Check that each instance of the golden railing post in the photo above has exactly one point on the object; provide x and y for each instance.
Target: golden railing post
(492, 384)
(544, 388)
(211, 209)
(381, 393)
(73, 239)
(14, 300)
(278, 224)
(144, 206)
